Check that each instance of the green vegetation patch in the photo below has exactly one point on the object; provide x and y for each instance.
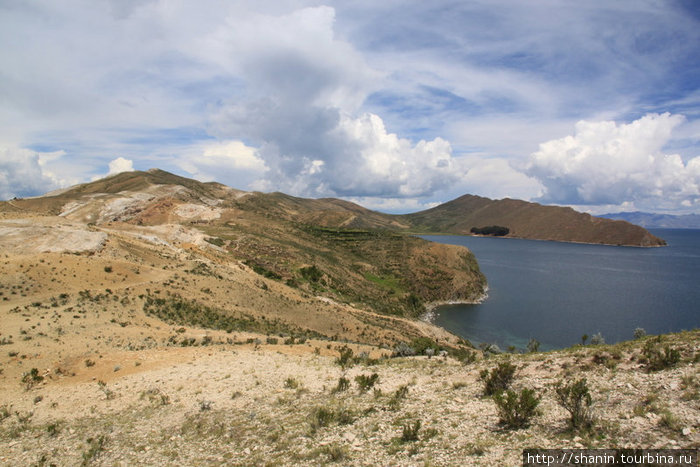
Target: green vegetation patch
(390, 283)
(176, 310)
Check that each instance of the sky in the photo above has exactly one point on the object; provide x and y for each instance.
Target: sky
(395, 105)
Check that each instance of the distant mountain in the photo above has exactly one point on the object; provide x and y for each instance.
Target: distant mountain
(528, 220)
(657, 221)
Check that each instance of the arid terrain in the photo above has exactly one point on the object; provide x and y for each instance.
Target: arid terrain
(149, 319)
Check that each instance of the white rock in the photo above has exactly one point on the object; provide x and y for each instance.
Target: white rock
(686, 431)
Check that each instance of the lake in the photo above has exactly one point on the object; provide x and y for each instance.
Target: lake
(557, 292)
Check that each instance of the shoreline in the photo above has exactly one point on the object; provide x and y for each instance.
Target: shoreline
(515, 237)
(429, 314)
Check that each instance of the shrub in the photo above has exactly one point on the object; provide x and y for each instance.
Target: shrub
(365, 383)
(108, 268)
(402, 349)
(516, 411)
(322, 416)
(345, 359)
(343, 385)
(465, 356)
(499, 379)
(639, 333)
(597, 339)
(32, 378)
(660, 359)
(410, 431)
(533, 345)
(400, 394)
(291, 383)
(576, 399)
(311, 273)
(421, 344)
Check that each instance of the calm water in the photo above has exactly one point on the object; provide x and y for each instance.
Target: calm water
(556, 292)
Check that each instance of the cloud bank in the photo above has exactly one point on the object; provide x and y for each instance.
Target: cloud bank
(604, 163)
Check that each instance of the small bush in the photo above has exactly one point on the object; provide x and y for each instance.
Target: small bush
(32, 378)
(533, 345)
(95, 447)
(410, 431)
(597, 339)
(421, 344)
(576, 399)
(345, 359)
(465, 356)
(639, 333)
(499, 379)
(400, 394)
(322, 416)
(311, 273)
(516, 411)
(660, 359)
(108, 268)
(402, 349)
(365, 382)
(343, 385)
(291, 383)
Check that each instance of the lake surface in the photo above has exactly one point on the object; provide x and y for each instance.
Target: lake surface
(557, 292)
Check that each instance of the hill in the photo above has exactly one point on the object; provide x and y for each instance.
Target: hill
(657, 221)
(274, 237)
(528, 220)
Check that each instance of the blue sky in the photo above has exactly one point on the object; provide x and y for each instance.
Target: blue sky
(397, 105)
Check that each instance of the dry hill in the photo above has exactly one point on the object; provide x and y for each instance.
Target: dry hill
(528, 220)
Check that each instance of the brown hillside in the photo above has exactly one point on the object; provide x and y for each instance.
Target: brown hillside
(529, 220)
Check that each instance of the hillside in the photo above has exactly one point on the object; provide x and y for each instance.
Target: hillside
(528, 220)
(269, 236)
(657, 221)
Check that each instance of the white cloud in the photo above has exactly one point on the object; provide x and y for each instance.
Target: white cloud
(120, 165)
(231, 162)
(22, 174)
(607, 163)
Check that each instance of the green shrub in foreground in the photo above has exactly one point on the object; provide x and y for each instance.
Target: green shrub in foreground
(516, 410)
(576, 399)
(498, 379)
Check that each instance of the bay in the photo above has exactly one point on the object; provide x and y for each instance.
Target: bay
(557, 292)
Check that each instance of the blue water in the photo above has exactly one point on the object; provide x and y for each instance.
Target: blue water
(557, 292)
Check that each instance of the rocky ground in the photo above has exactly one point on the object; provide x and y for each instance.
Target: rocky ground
(276, 404)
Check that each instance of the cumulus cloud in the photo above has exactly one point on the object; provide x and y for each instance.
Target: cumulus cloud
(609, 163)
(231, 161)
(22, 174)
(120, 165)
(305, 123)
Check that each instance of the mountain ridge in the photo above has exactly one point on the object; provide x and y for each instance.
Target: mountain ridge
(523, 219)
